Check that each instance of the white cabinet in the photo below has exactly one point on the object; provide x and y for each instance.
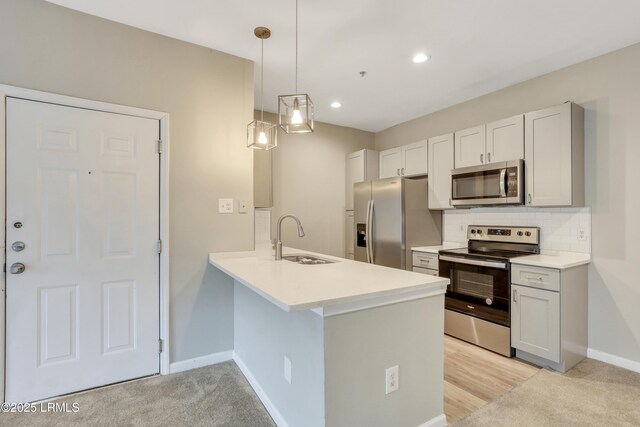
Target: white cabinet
(407, 160)
(499, 141)
(505, 139)
(470, 147)
(535, 322)
(350, 235)
(390, 162)
(554, 156)
(440, 165)
(414, 159)
(361, 166)
(426, 263)
(549, 315)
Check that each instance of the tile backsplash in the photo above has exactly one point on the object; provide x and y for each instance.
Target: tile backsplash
(262, 225)
(561, 229)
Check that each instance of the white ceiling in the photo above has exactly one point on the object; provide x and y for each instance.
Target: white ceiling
(476, 47)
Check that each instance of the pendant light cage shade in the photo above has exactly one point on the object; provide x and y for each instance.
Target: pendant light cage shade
(295, 113)
(262, 135)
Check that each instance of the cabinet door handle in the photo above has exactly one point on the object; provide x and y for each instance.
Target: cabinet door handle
(402, 171)
(489, 157)
(529, 198)
(515, 295)
(398, 172)
(481, 158)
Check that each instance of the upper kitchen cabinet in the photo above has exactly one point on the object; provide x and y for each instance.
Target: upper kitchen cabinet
(361, 166)
(554, 156)
(470, 147)
(440, 165)
(499, 141)
(390, 162)
(505, 139)
(407, 160)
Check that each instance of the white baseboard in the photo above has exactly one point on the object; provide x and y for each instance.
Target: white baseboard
(611, 359)
(199, 362)
(439, 421)
(273, 411)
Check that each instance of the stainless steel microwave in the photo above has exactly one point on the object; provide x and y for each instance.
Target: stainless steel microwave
(500, 183)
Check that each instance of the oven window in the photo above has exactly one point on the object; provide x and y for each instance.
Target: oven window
(477, 185)
(475, 283)
(480, 285)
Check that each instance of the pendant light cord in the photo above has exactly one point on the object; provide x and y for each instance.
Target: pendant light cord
(261, 78)
(296, 46)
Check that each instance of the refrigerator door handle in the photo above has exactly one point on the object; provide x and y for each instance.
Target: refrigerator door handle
(366, 231)
(370, 232)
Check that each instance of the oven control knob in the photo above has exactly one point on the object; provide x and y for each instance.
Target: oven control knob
(489, 301)
(520, 233)
(528, 233)
(473, 231)
(479, 231)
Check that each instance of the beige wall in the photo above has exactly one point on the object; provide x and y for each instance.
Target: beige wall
(608, 88)
(209, 96)
(309, 181)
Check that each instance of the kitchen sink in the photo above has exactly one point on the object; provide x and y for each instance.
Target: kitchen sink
(307, 259)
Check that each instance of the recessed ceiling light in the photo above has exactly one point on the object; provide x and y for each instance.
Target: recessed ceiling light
(420, 58)
(336, 104)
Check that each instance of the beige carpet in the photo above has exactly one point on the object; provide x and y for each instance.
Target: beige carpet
(217, 395)
(591, 394)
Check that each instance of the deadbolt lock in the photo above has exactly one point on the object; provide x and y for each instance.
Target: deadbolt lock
(18, 246)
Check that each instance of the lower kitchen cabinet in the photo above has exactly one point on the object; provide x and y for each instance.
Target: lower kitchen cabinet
(535, 322)
(426, 263)
(549, 315)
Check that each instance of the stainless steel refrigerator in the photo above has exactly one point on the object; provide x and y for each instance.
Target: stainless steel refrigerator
(391, 217)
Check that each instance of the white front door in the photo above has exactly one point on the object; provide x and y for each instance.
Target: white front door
(83, 200)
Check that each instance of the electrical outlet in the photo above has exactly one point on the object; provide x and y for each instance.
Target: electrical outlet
(243, 207)
(225, 206)
(582, 235)
(391, 379)
(287, 369)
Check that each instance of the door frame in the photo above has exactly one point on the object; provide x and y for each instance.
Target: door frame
(38, 96)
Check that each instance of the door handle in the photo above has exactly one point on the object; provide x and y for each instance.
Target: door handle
(17, 268)
(398, 171)
(529, 198)
(488, 157)
(481, 158)
(402, 171)
(515, 295)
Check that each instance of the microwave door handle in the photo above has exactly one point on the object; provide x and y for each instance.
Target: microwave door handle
(503, 182)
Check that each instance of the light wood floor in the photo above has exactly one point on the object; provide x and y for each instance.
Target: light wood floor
(474, 377)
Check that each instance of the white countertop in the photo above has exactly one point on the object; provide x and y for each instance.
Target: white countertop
(558, 260)
(436, 249)
(351, 284)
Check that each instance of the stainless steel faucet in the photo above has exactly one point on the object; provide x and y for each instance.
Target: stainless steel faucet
(278, 233)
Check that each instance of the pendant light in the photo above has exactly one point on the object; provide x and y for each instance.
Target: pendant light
(295, 112)
(261, 135)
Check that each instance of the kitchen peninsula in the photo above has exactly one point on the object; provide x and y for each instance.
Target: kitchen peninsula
(316, 341)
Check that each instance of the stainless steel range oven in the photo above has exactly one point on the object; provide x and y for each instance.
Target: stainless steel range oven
(477, 305)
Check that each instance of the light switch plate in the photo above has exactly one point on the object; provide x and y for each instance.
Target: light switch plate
(225, 206)
(243, 207)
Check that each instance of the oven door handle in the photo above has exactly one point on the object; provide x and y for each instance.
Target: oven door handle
(491, 264)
